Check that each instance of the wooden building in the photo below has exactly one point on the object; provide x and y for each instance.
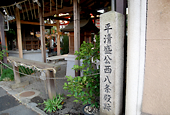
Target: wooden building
(87, 29)
(30, 11)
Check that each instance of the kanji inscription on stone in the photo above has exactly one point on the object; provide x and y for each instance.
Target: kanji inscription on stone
(111, 60)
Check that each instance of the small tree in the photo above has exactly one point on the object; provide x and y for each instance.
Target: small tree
(87, 87)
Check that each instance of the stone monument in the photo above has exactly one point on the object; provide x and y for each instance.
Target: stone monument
(111, 63)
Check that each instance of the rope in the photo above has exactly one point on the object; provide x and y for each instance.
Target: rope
(17, 71)
(29, 68)
(13, 4)
(40, 71)
(33, 66)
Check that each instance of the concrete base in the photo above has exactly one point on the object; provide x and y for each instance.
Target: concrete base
(70, 64)
(31, 54)
(17, 85)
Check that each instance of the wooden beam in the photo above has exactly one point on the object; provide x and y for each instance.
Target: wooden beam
(76, 12)
(31, 9)
(49, 72)
(63, 10)
(59, 18)
(53, 3)
(58, 37)
(43, 7)
(38, 64)
(42, 32)
(23, 14)
(19, 38)
(28, 9)
(2, 36)
(34, 10)
(50, 6)
(35, 23)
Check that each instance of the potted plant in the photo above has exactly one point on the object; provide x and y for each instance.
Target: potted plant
(86, 88)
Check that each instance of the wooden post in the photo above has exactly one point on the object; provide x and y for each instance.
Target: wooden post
(71, 43)
(50, 85)
(85, 37)
(2, 36)
(42, 33)
(19, 38)
(76, 11)
(89, 36)
(16, 74)
(6, 43)
(58, 37)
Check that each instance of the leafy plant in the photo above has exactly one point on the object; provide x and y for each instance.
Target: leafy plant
(87, 87)
(52, 105)
(7, 75)
(3, 52)
(25, 70)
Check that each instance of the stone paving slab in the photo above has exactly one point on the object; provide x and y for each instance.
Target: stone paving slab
(7, 101)
(2, 92)
(11, 106)
(19, 110)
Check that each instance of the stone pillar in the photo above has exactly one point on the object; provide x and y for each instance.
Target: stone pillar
(111, 63)
(137, 10)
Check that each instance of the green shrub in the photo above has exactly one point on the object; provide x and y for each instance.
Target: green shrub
(7, 75)
(86, 89)
(3, 52)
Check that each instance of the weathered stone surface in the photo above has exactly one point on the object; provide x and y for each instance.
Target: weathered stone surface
(17, 85)
(111, 63)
